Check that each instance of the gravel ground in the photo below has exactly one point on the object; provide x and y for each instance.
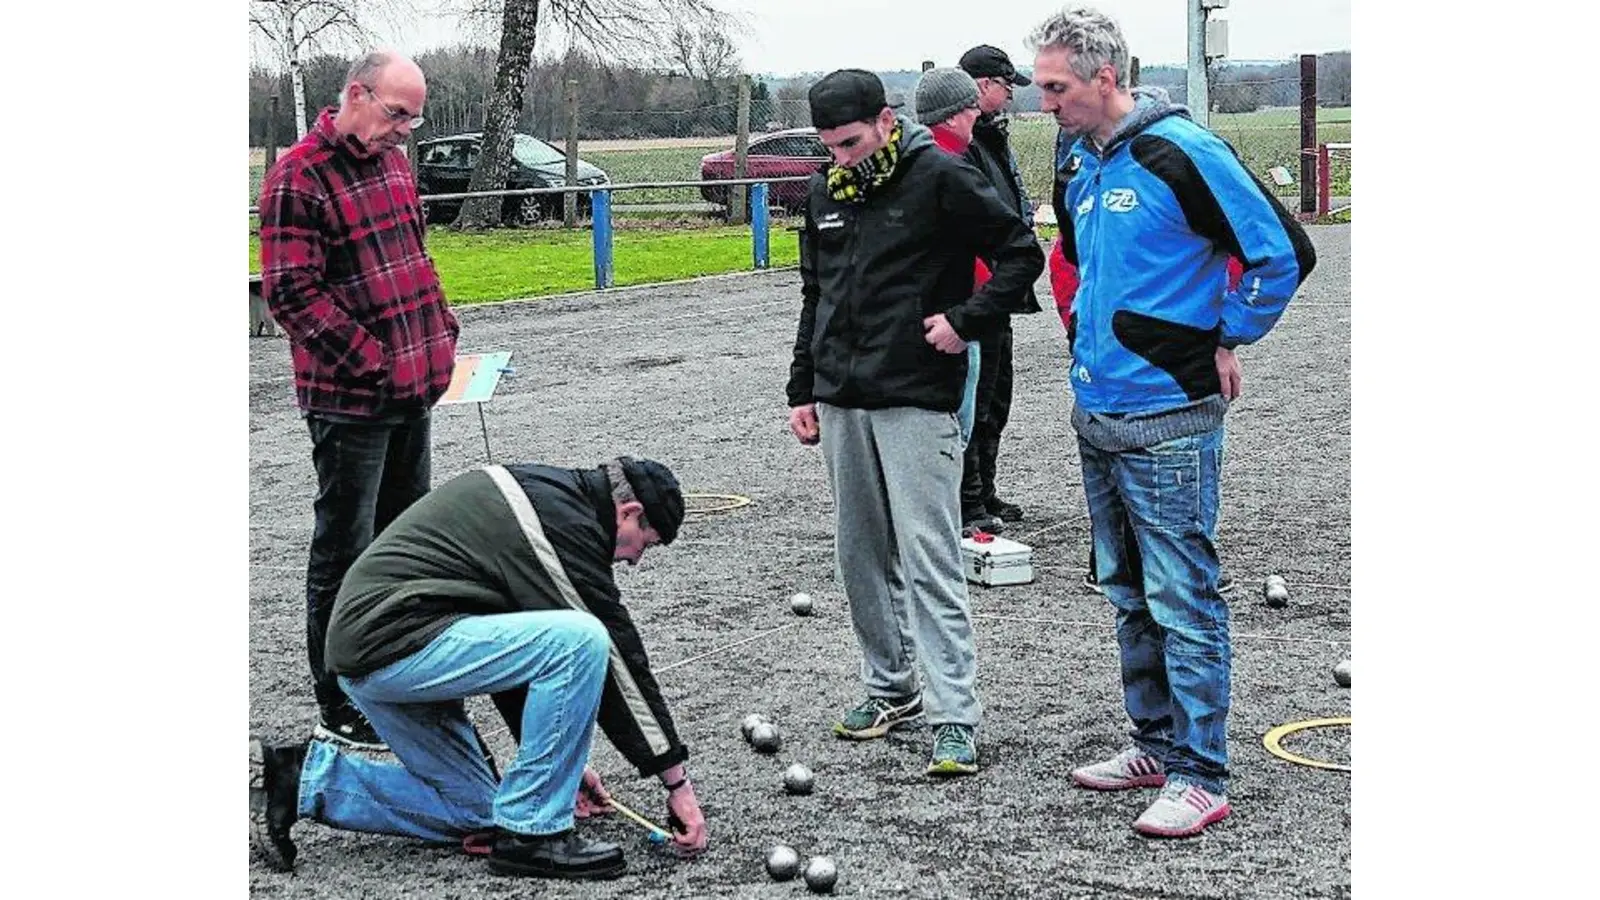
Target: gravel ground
(693, 374)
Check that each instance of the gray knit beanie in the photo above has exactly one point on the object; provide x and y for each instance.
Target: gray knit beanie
(941, 93)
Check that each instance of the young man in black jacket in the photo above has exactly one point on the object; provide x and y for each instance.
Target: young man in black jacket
(497, 582)
(990, 151)
(892, 228)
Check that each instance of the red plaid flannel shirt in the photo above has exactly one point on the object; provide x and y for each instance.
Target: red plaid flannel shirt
(344, 271)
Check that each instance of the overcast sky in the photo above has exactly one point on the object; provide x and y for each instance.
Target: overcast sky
(782, 38)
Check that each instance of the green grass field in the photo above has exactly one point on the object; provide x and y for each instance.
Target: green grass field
(503, 265)
(529, 263)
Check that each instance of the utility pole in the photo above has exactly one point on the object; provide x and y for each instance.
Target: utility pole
(1203, 45)
(1199, 100)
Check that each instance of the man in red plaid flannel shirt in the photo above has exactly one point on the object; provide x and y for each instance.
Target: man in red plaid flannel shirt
(346, 275)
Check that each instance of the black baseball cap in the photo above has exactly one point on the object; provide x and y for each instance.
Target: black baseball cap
(847, 95)
(984, 61)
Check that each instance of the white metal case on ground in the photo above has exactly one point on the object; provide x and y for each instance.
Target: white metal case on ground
(994, 561)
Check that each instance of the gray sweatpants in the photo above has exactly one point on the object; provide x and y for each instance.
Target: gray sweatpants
(896, 476)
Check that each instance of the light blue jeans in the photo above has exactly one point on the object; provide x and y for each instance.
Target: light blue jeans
(442, 788)
(969, 394)
(1153, 513)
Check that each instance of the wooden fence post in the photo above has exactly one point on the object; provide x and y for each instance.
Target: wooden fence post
(569, 208)
(741, 155)
(1308, 133)
(272, 130)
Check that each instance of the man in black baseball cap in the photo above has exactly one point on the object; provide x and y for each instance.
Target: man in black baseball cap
(984, 61)
(982, 509)
(888, 306)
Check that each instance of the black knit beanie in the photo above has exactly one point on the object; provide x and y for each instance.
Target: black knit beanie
(657, 489)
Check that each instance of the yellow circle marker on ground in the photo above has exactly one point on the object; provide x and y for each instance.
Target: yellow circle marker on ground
(729, 502)
(1275, 737)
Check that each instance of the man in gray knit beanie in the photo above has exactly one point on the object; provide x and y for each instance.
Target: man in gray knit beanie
(943, 93)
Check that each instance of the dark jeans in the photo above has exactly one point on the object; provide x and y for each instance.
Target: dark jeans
(367, 474)
(993, 411)
(1172, 625)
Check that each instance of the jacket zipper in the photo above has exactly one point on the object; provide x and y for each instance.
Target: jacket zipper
(1099, 214)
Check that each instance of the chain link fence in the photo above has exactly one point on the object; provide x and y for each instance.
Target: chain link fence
(1266, 138)
(1257, 117)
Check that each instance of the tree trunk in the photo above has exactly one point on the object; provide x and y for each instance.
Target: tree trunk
(518, 28)
(297, 86)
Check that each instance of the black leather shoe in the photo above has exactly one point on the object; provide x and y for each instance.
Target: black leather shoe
(981, 521)
(559, 855)
(1005, 512)
(345, 725)
(274, 801)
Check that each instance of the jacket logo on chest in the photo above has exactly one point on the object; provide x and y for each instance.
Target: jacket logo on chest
(829, 221)
(1119, 200)
(1086, 206)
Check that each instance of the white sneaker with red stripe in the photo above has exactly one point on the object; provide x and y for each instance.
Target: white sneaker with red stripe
(1183, 810)
(1132, 768)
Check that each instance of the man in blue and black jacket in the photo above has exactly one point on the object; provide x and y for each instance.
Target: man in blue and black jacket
(1151, 207)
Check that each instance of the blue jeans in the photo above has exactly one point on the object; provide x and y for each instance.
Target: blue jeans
(966, 415)
(367, 474)
(1153, 513)
(442, 787)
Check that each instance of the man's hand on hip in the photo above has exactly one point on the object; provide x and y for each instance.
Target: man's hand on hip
(942, 336)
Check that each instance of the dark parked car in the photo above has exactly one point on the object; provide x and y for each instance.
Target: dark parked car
(797, 151)
(444, 166)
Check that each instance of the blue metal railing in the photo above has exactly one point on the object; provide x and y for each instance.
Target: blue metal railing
(600, 200)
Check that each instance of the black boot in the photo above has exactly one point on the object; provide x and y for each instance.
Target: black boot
(559, 855)
(1005, 512)
(275, 800)
(976, 520)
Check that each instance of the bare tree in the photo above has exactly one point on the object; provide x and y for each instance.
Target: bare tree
(519, 26)
(295, 28)
(610, 27)
(706, 54)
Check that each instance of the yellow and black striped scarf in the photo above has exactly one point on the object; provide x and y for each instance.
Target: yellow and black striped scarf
(853, 185)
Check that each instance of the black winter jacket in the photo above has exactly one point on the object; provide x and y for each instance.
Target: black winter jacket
(990, 152)
(871, 272)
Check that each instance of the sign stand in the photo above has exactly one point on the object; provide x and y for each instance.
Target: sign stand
(474, 380)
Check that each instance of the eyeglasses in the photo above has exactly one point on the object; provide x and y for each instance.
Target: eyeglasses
(395, 115)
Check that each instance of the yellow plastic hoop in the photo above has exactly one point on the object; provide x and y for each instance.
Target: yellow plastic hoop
(732, 501)
(1276, 735)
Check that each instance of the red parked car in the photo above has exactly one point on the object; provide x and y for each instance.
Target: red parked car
(797, 151)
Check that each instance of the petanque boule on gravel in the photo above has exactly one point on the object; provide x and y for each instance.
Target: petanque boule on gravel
(783, 863)
(765, 738)
(1341, 673)
(800, 604)
(797, 779)
(1276, 591)
(821, 875)
(749, 724)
